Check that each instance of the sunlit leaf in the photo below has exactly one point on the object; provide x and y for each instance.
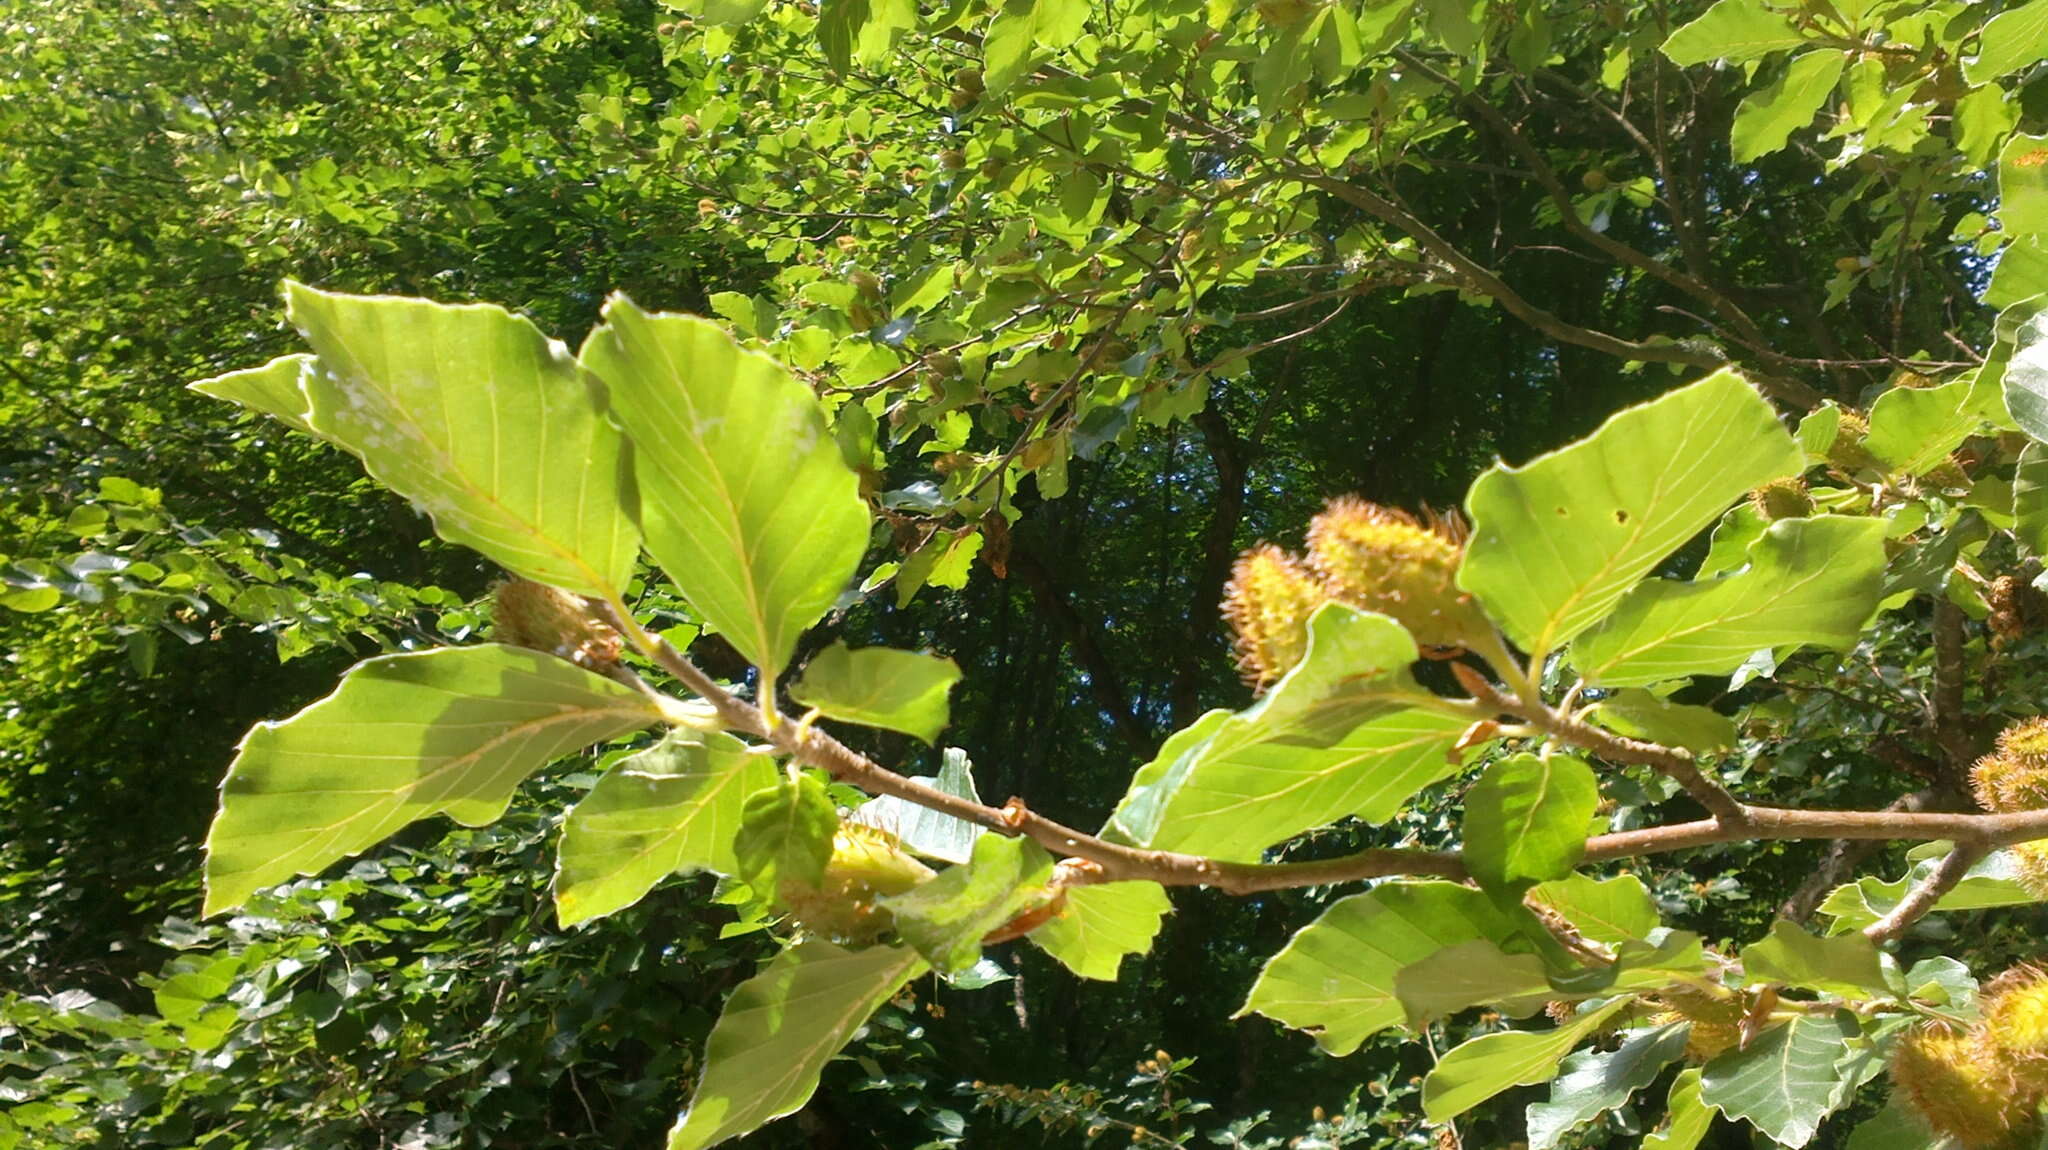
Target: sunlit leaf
(1845, 965)
(744, 498)
(452, 732)
(672, 808)
(1557, 542)
(2010, 41)
(786, 832)
(1335, 737)
(1102, 924)
(1737, 30)
(1686, 1118)
(1483, 1067)
(879, 687)
(1527, 818)
(272, 389)
(1768, 116)
(1612, 911)
(1335, 978)
(928, 832)
(484, 423)
(1809, 582)
(779, 1029)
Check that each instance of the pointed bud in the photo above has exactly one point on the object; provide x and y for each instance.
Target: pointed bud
(1381, 559)
(1268, 602)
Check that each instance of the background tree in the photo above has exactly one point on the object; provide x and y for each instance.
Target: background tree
(1103, 297)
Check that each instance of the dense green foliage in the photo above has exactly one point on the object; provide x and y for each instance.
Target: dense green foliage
(1094, 297)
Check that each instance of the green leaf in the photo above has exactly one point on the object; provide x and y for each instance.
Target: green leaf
(673, 807)
(2023, 185)
(1847, 965)
(1768, 116)
(1641, 715)
(272, 389)
(1993, 882)
(1611, 911)
(839, 25)
(2021, 274)
(780, 1028)
(30, 600)
(1686, 1118)
(2030, 499)
(1335, 978)
(452, 732)
(1021, 26)
(1470, 974)
(2026, 377)
(480, 420)
(1557, 542)
(744, 498)
(946, 918)
(2011, 40)
(1335, 737)
(1896, 1127)
(922, 829)
(1527, 819)
(720, 11)
(786, 833)
(1592, 1082)
(1734, 30)
(879, 687)
(1102, 924)
(1786, 1082)
(1913, 429)
(1809, 581)
(1483, 1067)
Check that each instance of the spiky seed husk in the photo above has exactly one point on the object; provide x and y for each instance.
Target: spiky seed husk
(866, 863)
(2016, 609)
(2015, 776)
(1783, 499)
(1381, 559)
(2015, 1009)
(1847, 452)
(1948, 475)
(1716, 1023)
(543, 618)
(1959, 1089)
(1268, 601)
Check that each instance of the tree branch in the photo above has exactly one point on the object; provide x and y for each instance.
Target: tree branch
(1922, 898)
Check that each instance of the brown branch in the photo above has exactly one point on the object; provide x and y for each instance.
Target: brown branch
(1110, 861)
(1922, 898)
(1945, 702)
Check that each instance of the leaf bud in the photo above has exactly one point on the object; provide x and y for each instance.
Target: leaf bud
(1380, 559)
(1268, 601)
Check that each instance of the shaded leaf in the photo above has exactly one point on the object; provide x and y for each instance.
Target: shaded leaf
(1848, 965)
(1686, 1118)
(1591, 1082)
(2026, 377)
(1787, 1082)
(786, 832)
(946, 918)
(1641, 715)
